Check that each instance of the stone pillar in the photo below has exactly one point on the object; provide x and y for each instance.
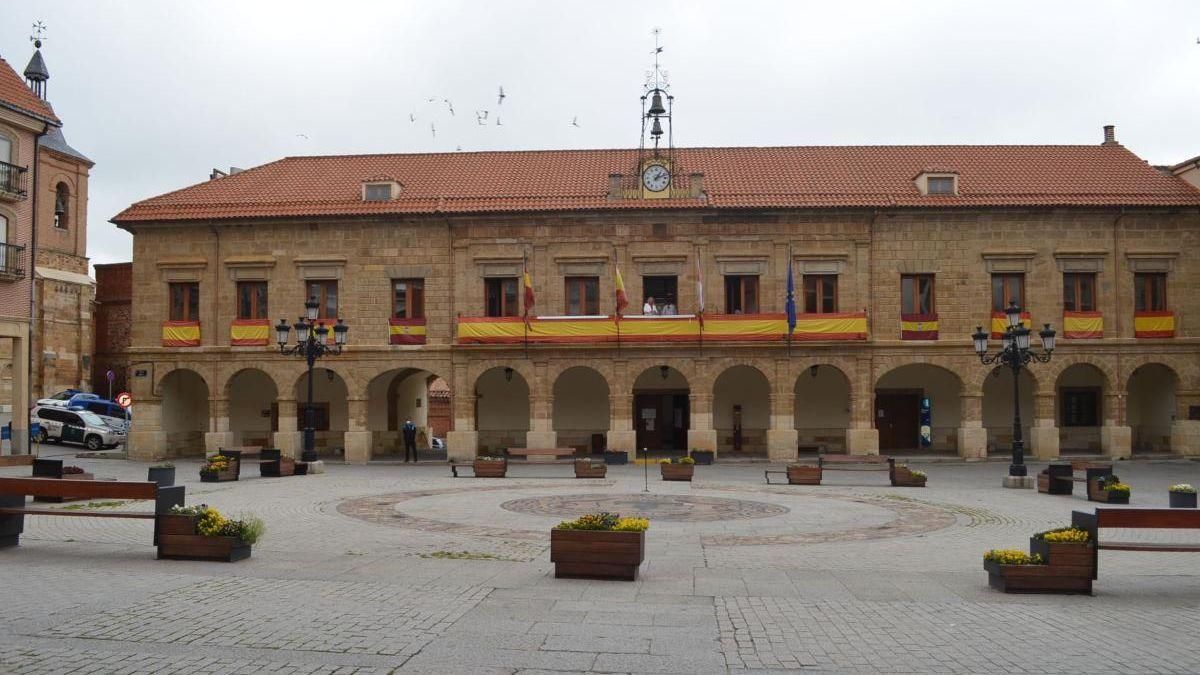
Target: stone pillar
(1116, 439)
(18, 336)
(218, 435)
(541, 432)
(621, 435)
(782, 437)
(357, 438)
(146, 439)
(972, 437)
(1185, 433)
(701, 435)
(1043, 436)
(462, 444)
(289, 441)
(862, 438)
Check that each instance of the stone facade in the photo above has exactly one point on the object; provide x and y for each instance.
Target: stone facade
(113, 323)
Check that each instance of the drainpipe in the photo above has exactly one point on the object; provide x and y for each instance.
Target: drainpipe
(37, 142)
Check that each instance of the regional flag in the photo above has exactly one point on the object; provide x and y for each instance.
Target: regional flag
(790, 305)
(622, 299)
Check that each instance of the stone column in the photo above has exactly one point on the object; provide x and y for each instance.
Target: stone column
(621, 435)
(289, 441)
(1043, 436)
(1185, 433)
(862, 438)
(146, 439)
(462, 444)
(218, 435)
(357, 438)
(701, 435)
(782, 437)
(1116, 439)
(541, 432)
(972, 437)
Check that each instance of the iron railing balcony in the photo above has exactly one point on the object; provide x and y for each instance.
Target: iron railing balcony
(12, 182)
(12, 262)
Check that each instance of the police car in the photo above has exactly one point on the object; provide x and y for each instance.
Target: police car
(75, 426)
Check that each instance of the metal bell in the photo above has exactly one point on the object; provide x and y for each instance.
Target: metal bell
(656, 106)
(656, 130)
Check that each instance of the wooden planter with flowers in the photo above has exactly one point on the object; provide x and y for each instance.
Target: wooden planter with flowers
(902, 476)
(1059, 561)
(614, 552)
(180, 535)
(681, 469)
(1108, 489)
(490, 467)
(1182, 496)
(586, 468)
(803, 475)
(218, 469)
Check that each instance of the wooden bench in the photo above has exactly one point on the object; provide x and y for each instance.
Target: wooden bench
(543, 455)
(13, 508)
(856, 463)
(1135, 519)
(1059, 478)
(54, 468)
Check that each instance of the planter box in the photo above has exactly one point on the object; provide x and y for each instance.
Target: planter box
(611, 457)
(590, 470)
(61, 500)
(284, 466)
(301, 468)
(169, 523)
(200, 547)
(902, 477)
(804, 475)
(1182, 500)
(163, 475)
(704, 457)
(218, 476)
(584, 554)
(1075, 559)
(490, 468)
(1035, 579)
(677, 471)
(1096, 494)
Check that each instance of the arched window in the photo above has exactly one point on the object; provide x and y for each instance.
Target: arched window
(62, 199)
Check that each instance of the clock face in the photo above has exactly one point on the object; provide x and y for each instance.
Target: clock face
(656, 178)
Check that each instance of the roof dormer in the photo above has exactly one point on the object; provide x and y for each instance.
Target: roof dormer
(937, 183)
(380, 189)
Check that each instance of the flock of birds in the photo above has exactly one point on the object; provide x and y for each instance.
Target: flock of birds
(483, 116)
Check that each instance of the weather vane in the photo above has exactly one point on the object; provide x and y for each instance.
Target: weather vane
(656, 78)
(39, 30)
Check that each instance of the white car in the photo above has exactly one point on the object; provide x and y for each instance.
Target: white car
(436, 443)
(75, 426)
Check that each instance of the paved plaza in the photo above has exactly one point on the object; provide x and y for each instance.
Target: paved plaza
(403, 569)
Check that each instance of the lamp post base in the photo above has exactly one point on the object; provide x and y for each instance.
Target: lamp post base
(1019, 482)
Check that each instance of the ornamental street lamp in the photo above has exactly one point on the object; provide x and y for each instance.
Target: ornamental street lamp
(312, 342)
(1015, 354)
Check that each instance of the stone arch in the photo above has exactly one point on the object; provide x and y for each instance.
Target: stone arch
(394, 397)
(1081, 386)
(331, 408)
(742, 409)
(898, 396)
(1150, 408)
(581, 412)
(502, 407)
(252, 397)
(662, 410)
(184, 414)
(996, 391)
(822, 409)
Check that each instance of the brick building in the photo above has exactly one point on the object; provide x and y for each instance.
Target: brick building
(898, 253)
(113, 321)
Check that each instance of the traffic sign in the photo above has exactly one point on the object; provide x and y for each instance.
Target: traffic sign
(124, 399)
(111, 376)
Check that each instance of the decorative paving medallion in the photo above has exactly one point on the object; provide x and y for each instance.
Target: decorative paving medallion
(681, 508)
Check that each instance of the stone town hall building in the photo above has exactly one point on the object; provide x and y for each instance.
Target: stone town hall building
(897, 252)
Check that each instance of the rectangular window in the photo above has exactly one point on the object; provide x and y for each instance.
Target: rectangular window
(378, 193)
(820, 293)
(660, 295)
(1079, 292)
(1008, 288)
(501, 296)
(582, 295)
(741, 294)
(185, 301)
(408, 298)
(916, 294)
(251, 299)
(1081, 407)
(1150, 292)
(326, 295)
(940, 186)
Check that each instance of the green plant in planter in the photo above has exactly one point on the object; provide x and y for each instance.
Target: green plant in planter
(605, 522)
(1183, 488)
(210, 523)
(1064, 535)
(1012, 556)
(489, 458)
(1114, 485)
(677, 460)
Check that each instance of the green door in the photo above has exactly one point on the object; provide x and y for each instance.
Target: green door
(72, 429)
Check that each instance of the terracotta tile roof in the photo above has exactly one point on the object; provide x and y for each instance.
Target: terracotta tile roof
(15, 94)
(734, 178)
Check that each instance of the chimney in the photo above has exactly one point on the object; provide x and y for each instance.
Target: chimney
(697, 186)
(614, 186)
(217, 173)
(1110, 135)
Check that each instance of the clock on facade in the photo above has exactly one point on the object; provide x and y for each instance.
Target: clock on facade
(656, 178)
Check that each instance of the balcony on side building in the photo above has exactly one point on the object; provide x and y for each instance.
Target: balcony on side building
(12, 262)
(12, 182)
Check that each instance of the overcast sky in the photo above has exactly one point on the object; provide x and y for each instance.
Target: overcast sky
(159, 92)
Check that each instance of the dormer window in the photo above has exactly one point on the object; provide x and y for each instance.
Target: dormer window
(937, 184)
(377, 192)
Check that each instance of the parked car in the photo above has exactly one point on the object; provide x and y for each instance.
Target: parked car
(75, 426)
(66, 396)
(113, 415)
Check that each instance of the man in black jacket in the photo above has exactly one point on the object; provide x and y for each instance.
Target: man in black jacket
(410, 440)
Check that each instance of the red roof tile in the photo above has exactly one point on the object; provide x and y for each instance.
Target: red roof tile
(734, 178)
(14, 93)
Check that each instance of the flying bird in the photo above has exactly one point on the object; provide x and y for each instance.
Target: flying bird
(500, 98)
(575, 121)
(449, 105)
(432, 130)
(412, 117)
(498, 121)
(304, 136)
(481, 117)
(431, 99)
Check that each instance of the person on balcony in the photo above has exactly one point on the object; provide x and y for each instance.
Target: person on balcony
(649, 309)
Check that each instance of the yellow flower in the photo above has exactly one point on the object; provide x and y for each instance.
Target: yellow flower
(1011, 556)
(632, 525)
(1070, 535)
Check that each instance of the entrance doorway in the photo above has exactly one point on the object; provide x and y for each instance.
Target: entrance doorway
(898, 419)
(661, 420)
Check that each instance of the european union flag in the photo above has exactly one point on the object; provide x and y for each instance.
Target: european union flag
(791, 302)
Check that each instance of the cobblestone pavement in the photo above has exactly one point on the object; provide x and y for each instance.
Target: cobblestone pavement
(393, 569)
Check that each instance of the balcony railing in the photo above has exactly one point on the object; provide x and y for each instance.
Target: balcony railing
(12, 181)
(12, 262)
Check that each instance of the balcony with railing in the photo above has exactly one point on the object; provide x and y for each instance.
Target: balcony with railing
(12, 182)
(12, 262)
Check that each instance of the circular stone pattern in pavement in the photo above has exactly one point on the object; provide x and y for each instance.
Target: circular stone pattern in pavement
(681, 508)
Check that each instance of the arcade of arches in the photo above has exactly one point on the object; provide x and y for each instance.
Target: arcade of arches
(752, 407)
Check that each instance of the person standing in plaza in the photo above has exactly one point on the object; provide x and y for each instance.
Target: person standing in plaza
(410, 440)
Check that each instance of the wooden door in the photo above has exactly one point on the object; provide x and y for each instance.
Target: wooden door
(648, 421)
(898, 419)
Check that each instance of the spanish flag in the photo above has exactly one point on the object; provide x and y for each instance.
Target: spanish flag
(528, 281)
(622, 299)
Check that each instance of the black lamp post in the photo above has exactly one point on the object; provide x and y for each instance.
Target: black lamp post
(312, 342)
(1015, 354)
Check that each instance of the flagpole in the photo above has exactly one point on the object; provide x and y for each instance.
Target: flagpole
(525, 297)
(792, 299)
